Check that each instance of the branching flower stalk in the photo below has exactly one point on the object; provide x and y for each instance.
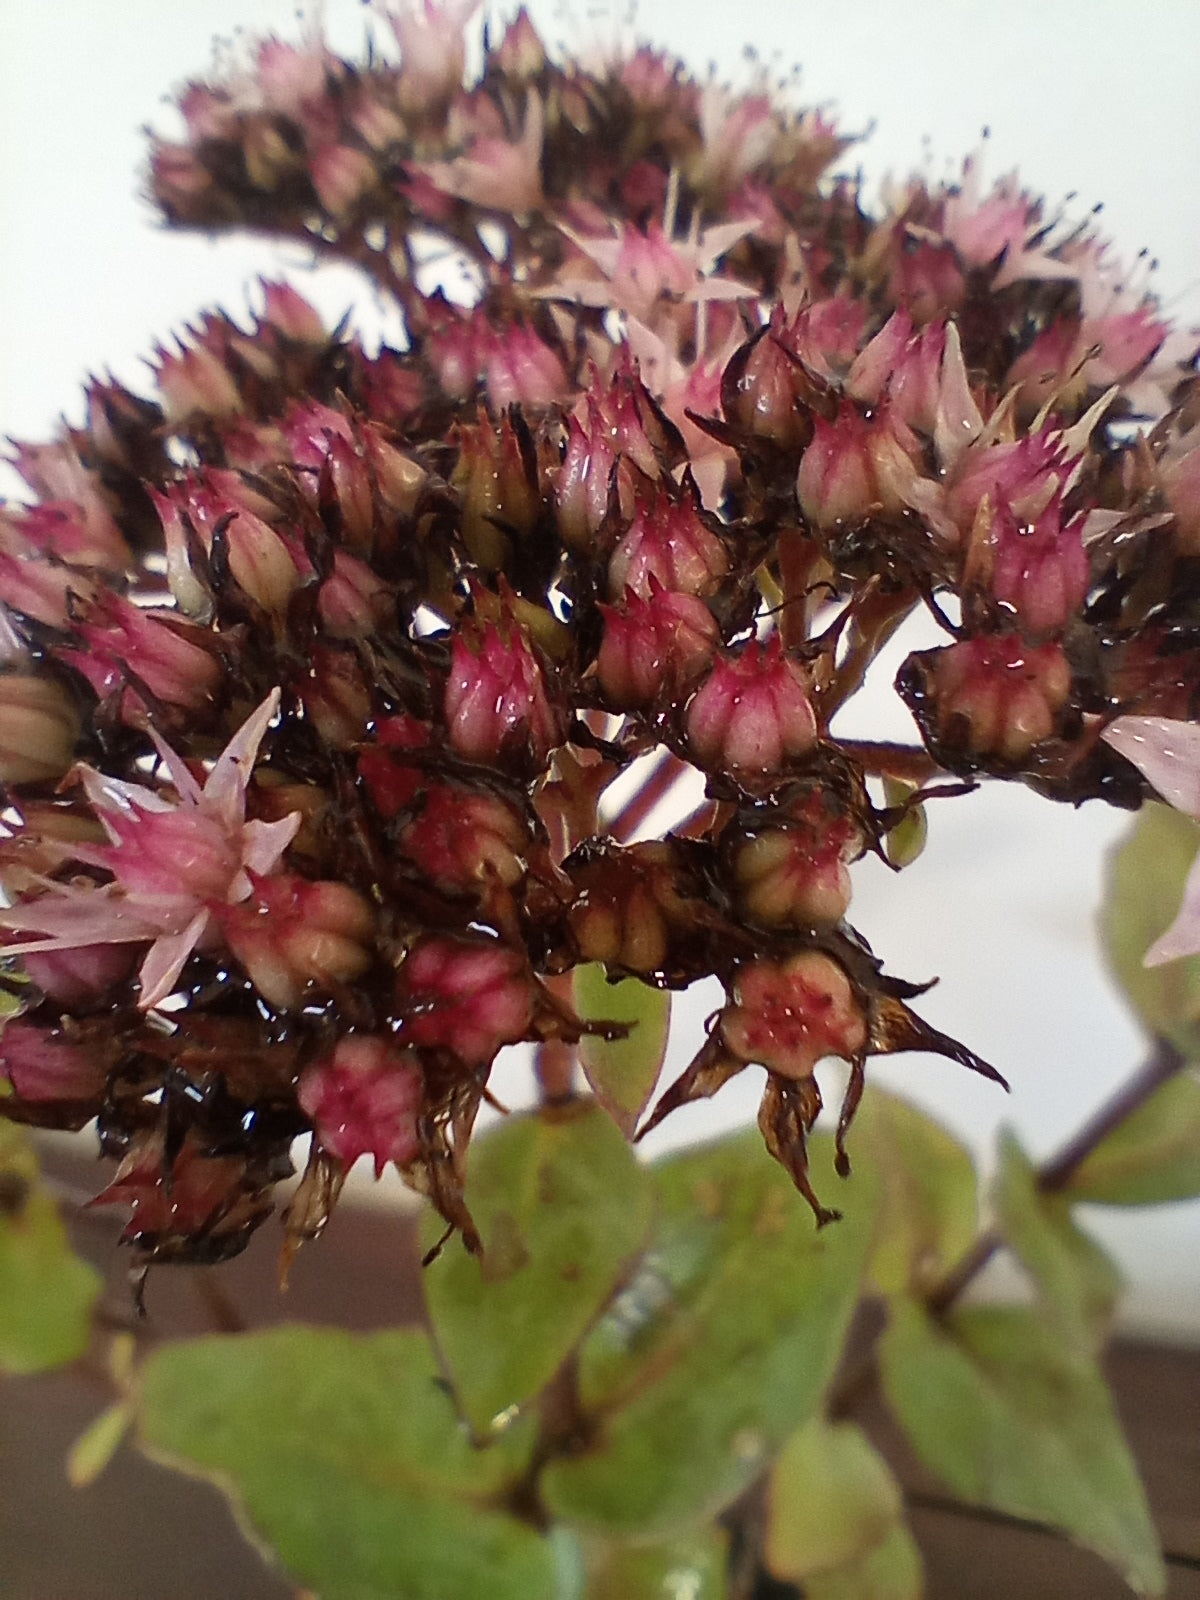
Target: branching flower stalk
(318, 666)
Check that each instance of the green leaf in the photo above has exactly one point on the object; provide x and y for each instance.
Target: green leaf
(345, 1454)
(830, 1501)
(622, 1072)
(1154, 1155)
(891, 1571)
(1077, 1283)
(720, 1345)
(46, 1292)
(1010, 1418)
(692, 1566)
(904, 843)
(931, 1209)
(564, 1208)
(1145, 889)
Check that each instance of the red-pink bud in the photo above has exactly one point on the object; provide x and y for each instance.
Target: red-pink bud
(927, 281)
(196, 383)
(465, 840)
(653, 649)
(669, 543)
(293, 934)
(44, 1064)
(499, 698)
(581, 486)
(336, 697)
(857, 466)
(995, 696)
(121, 640)
(789, 1015)
(43, 590)
(287, 311)
(765, 392)
(364, 1100)
(342, 175)
(392, 783)
(520, 55)
(432, 53)
(752, 714)
(353, 600)
(1040, 568)
(468, 997)
(796, 876)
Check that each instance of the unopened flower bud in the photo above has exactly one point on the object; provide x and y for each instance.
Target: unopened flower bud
(336, 697)
(467, 997)
(497, 480)
(855, 467)
(630, 904)
(432, 53)
(39, 726)
(46, 1064)
(581, 486)
(342, 175)
(1040, 569)
(668, 543)
(123, 641)
(293, 934)
(752, 714)
(653, 649)
(287, 311)
(195, 383)
(364, 1100)
(520, 54)
(796, 876)
(465, 840)
(927, 281)
(353, 600)
(764, 393)
(789, 1015)
(498, 697)
(993, 696)
(391, 781)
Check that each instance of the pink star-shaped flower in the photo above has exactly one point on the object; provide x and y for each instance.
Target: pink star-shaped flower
(171, 861)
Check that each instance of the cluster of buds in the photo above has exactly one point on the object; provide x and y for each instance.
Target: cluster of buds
(306, 744)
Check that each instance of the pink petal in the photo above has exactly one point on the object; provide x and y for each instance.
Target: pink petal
(263, 843)
(165, 960)
(225, 791)
(1166, 752)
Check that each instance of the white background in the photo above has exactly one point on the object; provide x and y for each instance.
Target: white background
(1095, 97)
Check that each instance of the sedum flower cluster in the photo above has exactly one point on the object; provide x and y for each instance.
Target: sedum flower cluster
(319, 665)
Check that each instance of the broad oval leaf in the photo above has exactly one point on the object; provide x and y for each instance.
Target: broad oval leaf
(46, 1291)
(692, 1566)
(1009, 1417)
(563, 1207)
(1146, 878)
(891, 1571)
(622, 1072)
(720, 1345)
(930, 1213)
(1154, 1156)
(1077, 1283)
(831, 1500)
(345, 1455)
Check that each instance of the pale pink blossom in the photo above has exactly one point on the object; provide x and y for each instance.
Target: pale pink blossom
(170, 859)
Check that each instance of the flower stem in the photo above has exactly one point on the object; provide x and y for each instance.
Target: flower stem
(1055, 1175)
